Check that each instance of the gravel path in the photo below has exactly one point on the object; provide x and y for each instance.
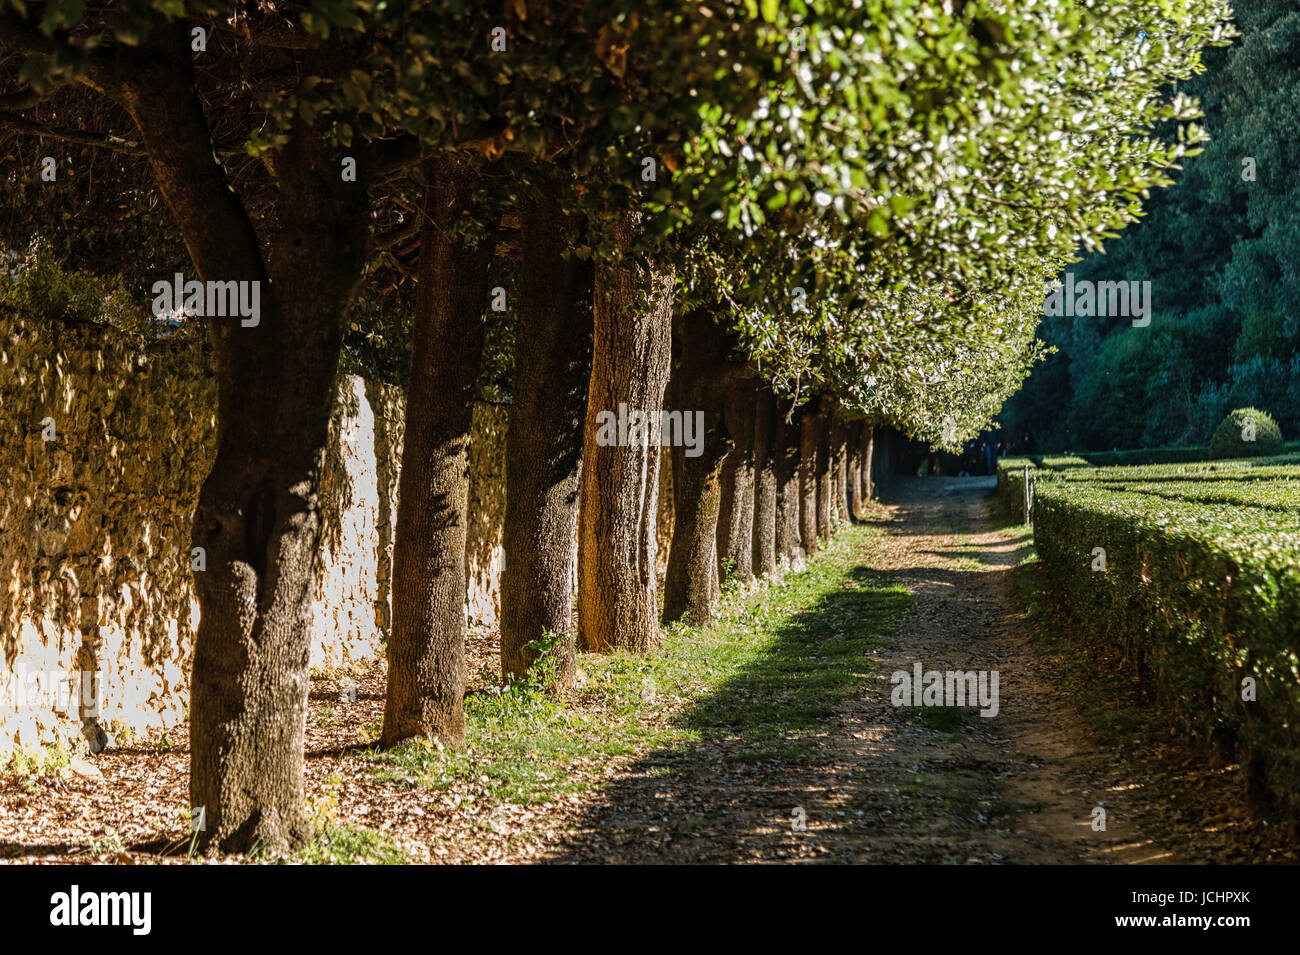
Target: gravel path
(885, 787)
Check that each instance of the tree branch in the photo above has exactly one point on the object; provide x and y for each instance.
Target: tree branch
(17, 32)
(399, 235)
(24, 99)
(392, 156)
(80, 136)
(269, 31)
(158, 89)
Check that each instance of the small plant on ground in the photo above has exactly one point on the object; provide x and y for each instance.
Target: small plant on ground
(111, 845)
(338, 843)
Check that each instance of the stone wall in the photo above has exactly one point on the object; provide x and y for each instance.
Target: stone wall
(104, 442)
(355, 532)
(484, 552)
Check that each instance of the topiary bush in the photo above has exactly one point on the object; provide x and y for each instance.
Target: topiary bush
(1246, 433)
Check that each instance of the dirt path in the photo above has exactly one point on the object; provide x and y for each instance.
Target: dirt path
(881, 784)
(944, 549)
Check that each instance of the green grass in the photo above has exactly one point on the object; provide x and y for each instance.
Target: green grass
(338, 844)
(47, 760)
(767, 674)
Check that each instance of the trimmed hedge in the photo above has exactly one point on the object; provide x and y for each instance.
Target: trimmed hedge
(1011, 484)
(1011, 477)
(1077, 468)
(1148, 456)
(1201, 589)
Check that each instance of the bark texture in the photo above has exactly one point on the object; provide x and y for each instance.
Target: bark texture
(426, 649)
(736, 513)
(811, 427)
(258, 514)
(699, 382)
(822, 462)
(715, 582)
(833, 468)
(552, 369)
(868, 460)
(764, 529)
(785, 452)
(857, 504)
(840, 471)
(617, 600)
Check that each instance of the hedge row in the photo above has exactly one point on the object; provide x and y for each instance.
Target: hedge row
(1147, 456)
(1201, 589)
(1011, 485)
(1076, 468)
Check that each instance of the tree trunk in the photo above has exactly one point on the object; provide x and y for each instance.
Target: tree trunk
(736, 514)
(857, 508)
(699, 382)
(822, 464)
(833, 470)
(785, 449)
(868, 461)
(715, 582)
(552, 368)
(764, 547)
(666, 514)
(258, 520)
(258, 515)
(617, 599)
(840, 472)
(810, 440)
(426, 650)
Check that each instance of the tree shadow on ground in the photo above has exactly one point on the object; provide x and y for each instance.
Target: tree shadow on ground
(801, 756)
(731, 793)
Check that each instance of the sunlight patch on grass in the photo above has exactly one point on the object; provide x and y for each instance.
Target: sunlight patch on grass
(770, 670)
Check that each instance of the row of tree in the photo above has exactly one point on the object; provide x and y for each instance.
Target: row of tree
(795, 215)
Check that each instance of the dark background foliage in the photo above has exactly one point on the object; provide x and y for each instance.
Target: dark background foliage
(1222, 254)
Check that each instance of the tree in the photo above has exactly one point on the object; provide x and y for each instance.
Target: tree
(853, 475)
(700, 380)
(552, 368)
(265, 144)
(786, 432)
(811, 428)
(823, 459)
(765, 515)
(890, 290)
(617, 595)
(736, 514)
(1230, 214)
(426, 650)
